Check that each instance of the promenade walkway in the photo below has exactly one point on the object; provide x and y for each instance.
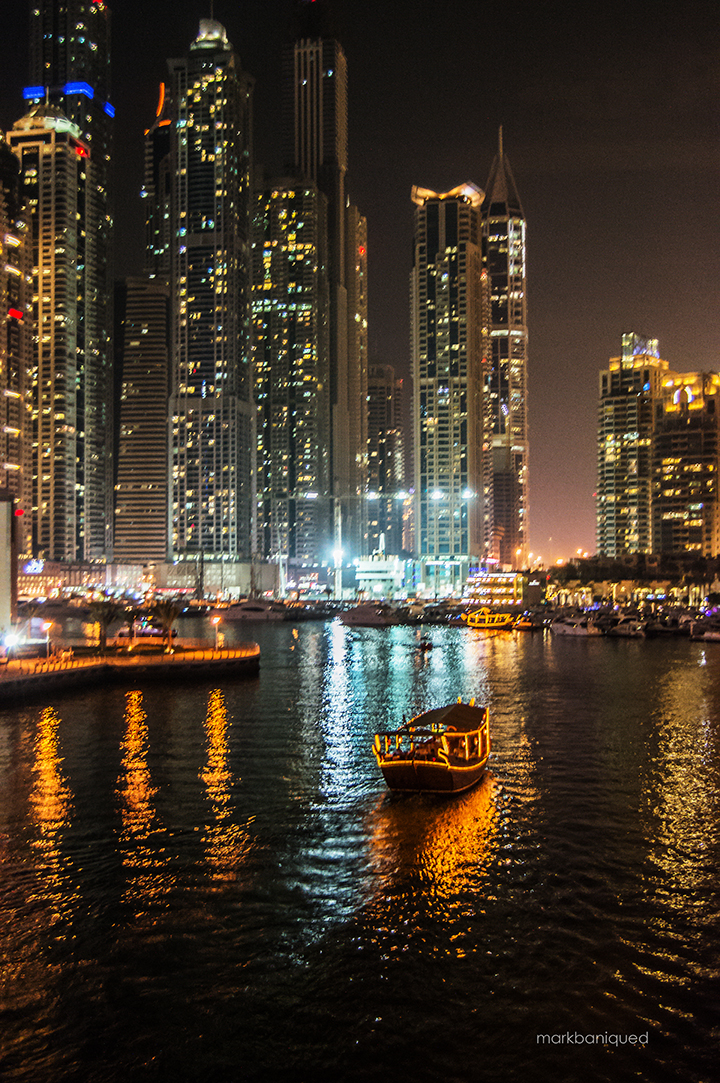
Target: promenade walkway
(22, 677)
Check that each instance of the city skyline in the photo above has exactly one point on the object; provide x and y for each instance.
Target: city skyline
(607, 122)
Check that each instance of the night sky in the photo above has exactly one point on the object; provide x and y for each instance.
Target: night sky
(610, 123)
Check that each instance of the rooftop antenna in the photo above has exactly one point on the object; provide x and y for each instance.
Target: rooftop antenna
(500, 146)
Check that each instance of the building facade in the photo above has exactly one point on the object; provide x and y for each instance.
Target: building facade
(386, 461)
(686, 464)
(504, 240)
(70, 411)
(212, 414)
(142, 344)
(630, 390)
(292, 371)
(16, 330)
(70, 70)
(448, 328)
(315, 112)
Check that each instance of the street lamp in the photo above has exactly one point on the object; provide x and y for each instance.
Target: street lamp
(47, 625)
(216, 622)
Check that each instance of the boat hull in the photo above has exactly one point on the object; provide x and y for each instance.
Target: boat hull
(414, 776)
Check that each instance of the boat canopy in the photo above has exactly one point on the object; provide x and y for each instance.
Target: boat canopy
(460, 717)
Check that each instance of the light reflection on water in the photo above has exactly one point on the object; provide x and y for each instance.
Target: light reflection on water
(221, 873)
(226, 841)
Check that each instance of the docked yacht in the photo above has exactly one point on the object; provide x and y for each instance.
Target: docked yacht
(370, 615)
(575, 626)
(255, 609)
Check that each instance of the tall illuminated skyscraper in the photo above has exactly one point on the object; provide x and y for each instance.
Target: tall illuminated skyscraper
(68, 520)
(16, 323)
(70, 70)
(630, 389)
(449, 323)
(212, 497)
(386, 460)
(141, 488)
(686, 466)
(291, 369)
(315, 107)
(504, 240)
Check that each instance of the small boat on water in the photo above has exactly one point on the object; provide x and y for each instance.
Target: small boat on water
(370, 615)
(575, 626)
(254, 609)
(487, 620)
(440, 751)
(629, 628)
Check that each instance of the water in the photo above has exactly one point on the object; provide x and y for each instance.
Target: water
(213, 883)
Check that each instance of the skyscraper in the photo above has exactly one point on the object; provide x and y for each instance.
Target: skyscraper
(68, 519)
(505, 259)
(141, 488)
(449, 321)
(212, 496)
(386, 460)
(315, 110)
(630, 389)
(686, 466)
(291, 370)
(15, 344)
(70, 69)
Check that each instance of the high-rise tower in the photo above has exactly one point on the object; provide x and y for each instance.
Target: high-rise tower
(16, 326)
(70, 70)
(505, 256)
(386, 460)
(212, 438)
(291, 369)
(686, 466)
(630, 390)
(143, 364)
(449, 320)
(315, 112)
(67, 507)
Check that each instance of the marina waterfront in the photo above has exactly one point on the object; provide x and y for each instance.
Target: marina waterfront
(211, 881)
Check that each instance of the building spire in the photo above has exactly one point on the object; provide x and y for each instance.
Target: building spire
(500, 143)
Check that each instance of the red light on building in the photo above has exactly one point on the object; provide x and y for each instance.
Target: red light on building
(19, 511)
(81, 152)
(362, 250)
(15, 313)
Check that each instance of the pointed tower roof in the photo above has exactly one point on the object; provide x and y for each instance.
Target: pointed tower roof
(502, 195)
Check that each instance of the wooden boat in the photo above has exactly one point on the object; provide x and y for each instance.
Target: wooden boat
(488, 621)
(441, 751)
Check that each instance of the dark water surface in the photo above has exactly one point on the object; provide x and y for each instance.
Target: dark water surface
(206, 882)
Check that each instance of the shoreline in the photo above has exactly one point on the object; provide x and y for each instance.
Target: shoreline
(20, 679)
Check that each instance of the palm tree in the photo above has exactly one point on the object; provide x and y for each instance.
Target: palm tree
(131, 613)
(166, 612)
(103, 613)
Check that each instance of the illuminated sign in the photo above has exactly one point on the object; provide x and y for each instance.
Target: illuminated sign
(34, 567)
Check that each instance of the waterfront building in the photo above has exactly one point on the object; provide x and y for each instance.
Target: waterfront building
(630, 390)
(16, 315)
(69, 407)
(142, 308)
(504, 240)
(448, 328)
(386, 465)
(315, 108)
(291, 368)
(211, 407)
(686, 464)
(70, 72)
